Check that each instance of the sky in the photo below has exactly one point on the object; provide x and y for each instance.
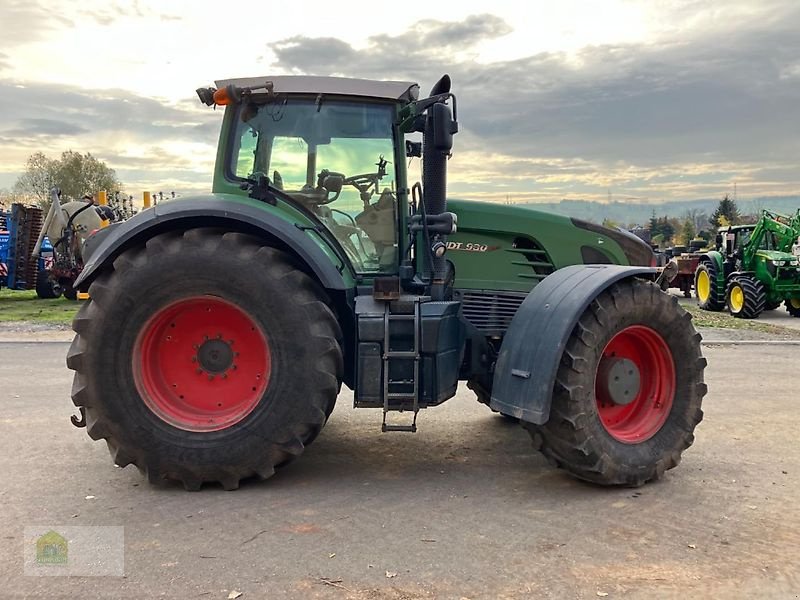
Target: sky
(628, 100)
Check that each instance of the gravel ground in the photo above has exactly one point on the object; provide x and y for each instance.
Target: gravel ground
(464, 509)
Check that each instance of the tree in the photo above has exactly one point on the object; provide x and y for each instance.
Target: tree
(653, 226)
(80, 174)
(727, 208)
(38, 178)
(75, 174)
(688, 231)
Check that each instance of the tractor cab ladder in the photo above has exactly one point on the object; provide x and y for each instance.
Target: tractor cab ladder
(400, 393)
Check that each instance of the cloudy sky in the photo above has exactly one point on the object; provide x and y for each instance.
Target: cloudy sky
(643, 100)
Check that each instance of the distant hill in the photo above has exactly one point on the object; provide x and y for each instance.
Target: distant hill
(639, 213)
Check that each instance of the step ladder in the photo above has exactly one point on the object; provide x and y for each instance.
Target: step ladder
(409, 396)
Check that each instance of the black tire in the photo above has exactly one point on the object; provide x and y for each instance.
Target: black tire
(70, 293)
(305, 356)
(793, 306)
(716, 297)
(482, 386)
(754, 297)
(46, 288)
(575, 437)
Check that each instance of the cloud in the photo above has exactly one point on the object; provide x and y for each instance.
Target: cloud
(25, 21)
(726, 96)
(48, 127)
(98, 111)
(427, 43)
(146, 140)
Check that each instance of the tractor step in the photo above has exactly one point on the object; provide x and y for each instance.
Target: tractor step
(412, 395)
(386, 427)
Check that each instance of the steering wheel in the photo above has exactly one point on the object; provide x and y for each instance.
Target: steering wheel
(363, 183)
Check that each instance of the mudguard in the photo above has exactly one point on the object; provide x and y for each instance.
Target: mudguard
(208, 212)
(718, 259)
(532, 347)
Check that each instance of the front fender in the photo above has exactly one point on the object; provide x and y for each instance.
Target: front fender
(532, 347)
(213, 212)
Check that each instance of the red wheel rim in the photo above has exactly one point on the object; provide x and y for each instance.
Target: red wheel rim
(201, 364)
(637, 413)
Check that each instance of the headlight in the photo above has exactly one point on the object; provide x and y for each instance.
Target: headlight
(780, 263)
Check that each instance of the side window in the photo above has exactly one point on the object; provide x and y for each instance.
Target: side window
(247, 152)
(289, 157)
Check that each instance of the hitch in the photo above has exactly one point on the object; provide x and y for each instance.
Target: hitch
(79, 422)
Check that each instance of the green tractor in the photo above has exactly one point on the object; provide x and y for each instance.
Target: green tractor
(221, 328)
(752, 269)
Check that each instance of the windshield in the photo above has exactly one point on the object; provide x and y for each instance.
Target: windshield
(334, 157)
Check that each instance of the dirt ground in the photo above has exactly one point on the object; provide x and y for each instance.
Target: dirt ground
(463, 509)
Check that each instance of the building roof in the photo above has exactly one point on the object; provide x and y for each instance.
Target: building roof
(297, 84)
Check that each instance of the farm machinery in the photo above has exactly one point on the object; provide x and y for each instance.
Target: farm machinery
(752, 268)
(67, 226)
(19, 270)
(221, 327)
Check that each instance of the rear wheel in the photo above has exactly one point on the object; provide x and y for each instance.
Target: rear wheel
(46, 288)
(70, 293)
(745, 297)
(706, 288)
(793, 306)
(205, 357)
(628, 391)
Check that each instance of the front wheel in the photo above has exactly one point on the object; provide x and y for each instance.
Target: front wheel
(793, 306)
(628, 391)
(205, 356)
(746, 297)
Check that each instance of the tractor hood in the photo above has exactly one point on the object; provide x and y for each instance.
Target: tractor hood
(775, 255)
(514, 247)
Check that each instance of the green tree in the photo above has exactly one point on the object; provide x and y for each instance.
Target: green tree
(727, 208)
(688, 231)
(38, 178)
(653, 226)
(75, 174)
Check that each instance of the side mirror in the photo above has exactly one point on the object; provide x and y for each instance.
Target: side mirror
(444, 126)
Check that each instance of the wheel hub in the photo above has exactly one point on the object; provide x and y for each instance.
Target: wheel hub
(215, 356)
(621, 379)
(202, 364)
(635, 384)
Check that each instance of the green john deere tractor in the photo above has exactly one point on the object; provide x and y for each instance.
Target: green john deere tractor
(221, 328)
(752, 269)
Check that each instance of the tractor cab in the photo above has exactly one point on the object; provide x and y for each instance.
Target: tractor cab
(334, 157)
(329, 145)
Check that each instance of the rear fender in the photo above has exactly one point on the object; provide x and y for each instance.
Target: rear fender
(531, 352)
(108, 243)
(716, 258)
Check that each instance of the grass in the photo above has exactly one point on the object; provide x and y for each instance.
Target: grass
(25, 306)
(722, 320)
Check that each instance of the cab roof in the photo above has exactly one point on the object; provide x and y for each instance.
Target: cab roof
(406, 91)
